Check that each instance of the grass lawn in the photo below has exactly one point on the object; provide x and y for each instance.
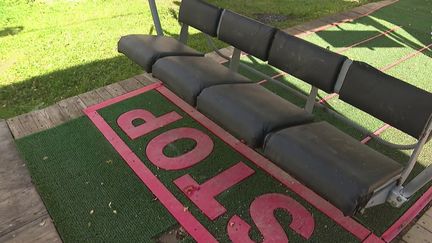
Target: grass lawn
(51, 50)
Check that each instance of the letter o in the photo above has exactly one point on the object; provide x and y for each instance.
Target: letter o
(154, 150)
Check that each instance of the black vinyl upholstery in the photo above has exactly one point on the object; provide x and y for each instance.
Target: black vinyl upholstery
(333, 164)
(249, 111)
(200, 15)
(389, 99)
(145, 50)
(188, 76)
(246, 34)
(306, 61)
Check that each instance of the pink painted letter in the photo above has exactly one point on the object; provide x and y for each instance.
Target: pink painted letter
(151, 122)
(154, 150)
(204, 195)
(262, 213)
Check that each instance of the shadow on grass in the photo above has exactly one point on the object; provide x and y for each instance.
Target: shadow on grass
(11, 31)
(398, 14)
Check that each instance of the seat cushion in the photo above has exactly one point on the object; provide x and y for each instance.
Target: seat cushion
(188, 76)
(249, 111)
(145, 50)
(333, 164)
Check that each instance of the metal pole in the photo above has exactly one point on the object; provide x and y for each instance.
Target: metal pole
(418, 182)
(155, 15)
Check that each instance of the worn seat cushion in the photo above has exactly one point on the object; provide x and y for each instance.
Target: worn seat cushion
(333, 164)
(188, 76)
(145, 50)
(249, 111)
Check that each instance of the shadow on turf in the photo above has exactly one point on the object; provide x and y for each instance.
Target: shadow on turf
(410, 23)
(11, 31)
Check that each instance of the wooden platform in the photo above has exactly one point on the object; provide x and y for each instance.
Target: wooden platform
(23, 217)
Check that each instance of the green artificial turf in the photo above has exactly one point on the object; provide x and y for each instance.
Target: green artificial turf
(54, 49)
(79, 176)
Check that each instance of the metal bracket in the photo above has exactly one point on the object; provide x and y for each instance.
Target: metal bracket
(235, 59)
(396, 198)
(310, 102)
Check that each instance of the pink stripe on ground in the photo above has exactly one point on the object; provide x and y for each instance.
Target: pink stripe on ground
(408, 216)
(327, 98)
(328, 209)
(377, 133)
(174, 206)
(413, 54)
(122, 97)
(368, 39)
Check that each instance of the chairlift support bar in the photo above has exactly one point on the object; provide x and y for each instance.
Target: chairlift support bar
(155, 16)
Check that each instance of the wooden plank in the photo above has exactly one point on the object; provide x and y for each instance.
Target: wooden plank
(13, 173)
(15, 127)
(55, 115)
(5, 133)
(418, 234)
(143, 79)
(104, 94)
(363, 10)
(91, 98)
(20, 209)
(38, 231)
(130, 84)
(293, 31)
(152, 79)
(426, 222)
(429, 212)
(312, 25)
(72, 107)
(41, 119)
(115, 89)
(28, 124)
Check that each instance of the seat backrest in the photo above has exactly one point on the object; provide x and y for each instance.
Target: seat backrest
(306, 61)
(389, 99)
(200, 15)
(246, 34)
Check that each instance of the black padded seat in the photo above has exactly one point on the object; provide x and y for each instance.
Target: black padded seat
(145, 50)
(246, 34)
(249, 111)
(188, 76)
(200, 15)
(333, 164)
(306, 61)
(387, 98)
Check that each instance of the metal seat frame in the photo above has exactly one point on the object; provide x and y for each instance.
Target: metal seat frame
(395, 191)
